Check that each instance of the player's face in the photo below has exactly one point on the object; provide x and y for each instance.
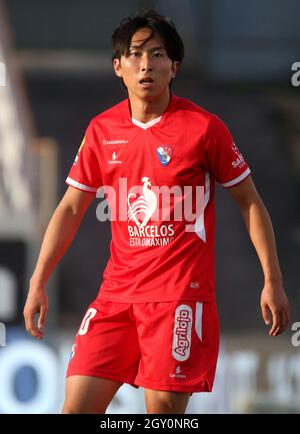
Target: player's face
(147, 70)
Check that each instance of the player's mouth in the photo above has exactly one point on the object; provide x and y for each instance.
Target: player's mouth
(146, 82)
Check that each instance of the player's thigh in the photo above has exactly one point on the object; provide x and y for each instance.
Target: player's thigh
(161, 401)
(86, 394)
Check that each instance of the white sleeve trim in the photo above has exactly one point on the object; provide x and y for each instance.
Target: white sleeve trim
(238, 179)
(83, 187)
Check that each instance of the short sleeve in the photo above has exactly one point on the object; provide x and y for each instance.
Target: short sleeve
(222, 156)
(85, 173)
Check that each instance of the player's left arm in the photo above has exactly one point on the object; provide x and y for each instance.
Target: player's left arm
(274, 302)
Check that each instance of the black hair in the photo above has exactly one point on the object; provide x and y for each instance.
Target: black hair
(159, 24)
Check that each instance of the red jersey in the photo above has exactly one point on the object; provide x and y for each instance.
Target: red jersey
(152, 174)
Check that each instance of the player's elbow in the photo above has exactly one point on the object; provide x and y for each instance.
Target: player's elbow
(69, 210)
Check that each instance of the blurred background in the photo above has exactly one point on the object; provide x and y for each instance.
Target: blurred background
(55, 75)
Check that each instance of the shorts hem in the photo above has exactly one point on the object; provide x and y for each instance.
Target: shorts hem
(175, 387)
(102, 374)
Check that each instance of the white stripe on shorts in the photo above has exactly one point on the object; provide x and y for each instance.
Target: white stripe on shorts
(198, 319)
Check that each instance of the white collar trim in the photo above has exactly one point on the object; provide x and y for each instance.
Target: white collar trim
(147, 124)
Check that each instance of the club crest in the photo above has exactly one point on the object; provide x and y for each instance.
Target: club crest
(164, 153)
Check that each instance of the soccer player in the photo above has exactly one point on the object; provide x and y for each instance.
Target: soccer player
(154, 322)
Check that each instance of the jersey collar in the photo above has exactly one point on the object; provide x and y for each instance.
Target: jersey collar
(155, 121)
(147, 124)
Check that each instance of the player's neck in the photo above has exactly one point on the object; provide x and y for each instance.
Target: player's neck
(145, 111)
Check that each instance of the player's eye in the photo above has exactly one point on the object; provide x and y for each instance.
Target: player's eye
(157, 54)
(135, 53)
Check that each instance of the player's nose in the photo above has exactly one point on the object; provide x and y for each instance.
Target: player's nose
(146, 62)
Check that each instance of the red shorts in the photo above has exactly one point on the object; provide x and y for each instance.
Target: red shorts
(162, 346)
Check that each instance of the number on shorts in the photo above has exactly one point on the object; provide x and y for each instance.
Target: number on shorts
(91, 312)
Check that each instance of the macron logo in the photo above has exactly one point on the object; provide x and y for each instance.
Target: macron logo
(178, 373)
(114, 159)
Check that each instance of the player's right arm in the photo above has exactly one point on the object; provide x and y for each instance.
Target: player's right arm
(58, 237)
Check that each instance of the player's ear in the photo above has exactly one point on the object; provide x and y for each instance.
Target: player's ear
(175, 68)
(117, 67)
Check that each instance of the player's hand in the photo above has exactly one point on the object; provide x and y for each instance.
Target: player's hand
(36, 304)
(275, 308)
